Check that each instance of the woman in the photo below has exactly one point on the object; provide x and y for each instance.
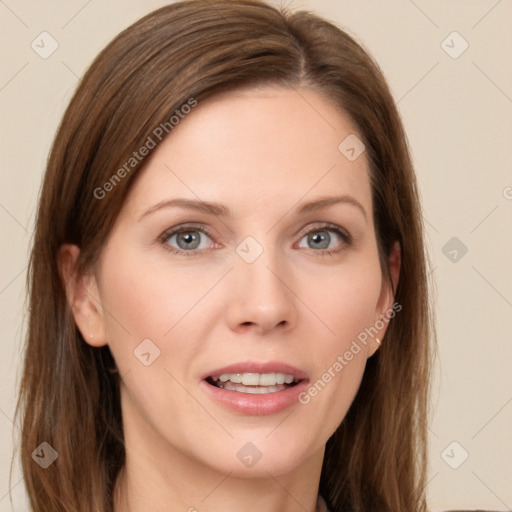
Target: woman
(229, 303)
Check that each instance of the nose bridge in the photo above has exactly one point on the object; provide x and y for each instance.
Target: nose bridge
(261, 295)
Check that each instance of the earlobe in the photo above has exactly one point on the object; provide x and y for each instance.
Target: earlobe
(82, 296)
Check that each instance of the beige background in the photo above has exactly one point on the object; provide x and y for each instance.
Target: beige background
(458, 116)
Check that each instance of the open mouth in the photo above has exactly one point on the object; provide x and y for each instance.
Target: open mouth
(254, 383)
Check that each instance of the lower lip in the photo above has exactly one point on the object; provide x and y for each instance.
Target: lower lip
(256, 405)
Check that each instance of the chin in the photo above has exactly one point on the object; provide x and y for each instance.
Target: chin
(256, 456)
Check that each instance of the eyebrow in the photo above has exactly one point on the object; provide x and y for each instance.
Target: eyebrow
(329, 201)
(219, 210)
(216, 209)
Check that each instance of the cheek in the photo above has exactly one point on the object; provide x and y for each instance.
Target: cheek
(141, 302)
(145, 298)
(346, 303)
(145, 308)
(169, 305)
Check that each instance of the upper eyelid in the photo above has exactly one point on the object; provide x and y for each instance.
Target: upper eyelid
(184, 227)
(327, 226)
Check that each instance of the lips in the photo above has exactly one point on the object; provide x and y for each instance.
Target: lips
(279, 385)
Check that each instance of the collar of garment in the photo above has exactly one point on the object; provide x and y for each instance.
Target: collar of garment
(321, 505)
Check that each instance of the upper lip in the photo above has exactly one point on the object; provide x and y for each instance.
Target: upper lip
(258, 367)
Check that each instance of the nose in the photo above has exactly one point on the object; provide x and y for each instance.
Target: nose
(261, 298)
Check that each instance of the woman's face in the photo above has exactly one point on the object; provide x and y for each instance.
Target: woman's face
(276, 271)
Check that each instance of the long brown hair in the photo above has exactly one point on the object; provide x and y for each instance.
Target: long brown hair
(69, 397)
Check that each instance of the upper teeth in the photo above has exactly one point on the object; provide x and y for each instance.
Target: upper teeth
(257, 379)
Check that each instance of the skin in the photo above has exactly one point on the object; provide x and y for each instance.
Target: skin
(262, 152)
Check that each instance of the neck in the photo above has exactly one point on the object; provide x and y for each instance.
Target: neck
(149, 483)
(132, 497)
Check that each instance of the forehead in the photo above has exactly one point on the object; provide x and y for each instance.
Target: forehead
(261, 147)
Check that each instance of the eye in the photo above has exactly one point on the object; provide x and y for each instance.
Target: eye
(324, 240)
(328, 239)
(186, 240)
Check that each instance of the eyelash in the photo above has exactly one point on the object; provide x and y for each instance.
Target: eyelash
(164, 238)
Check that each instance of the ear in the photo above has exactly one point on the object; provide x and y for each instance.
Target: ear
(82, 296)
(384, 310)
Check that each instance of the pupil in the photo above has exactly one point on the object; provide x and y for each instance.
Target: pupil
(322, 239)
(188, 240)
